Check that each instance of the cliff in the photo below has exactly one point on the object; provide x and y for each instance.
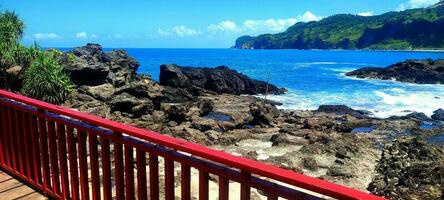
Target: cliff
(411, 29)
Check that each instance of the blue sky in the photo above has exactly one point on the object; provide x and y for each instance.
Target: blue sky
(177, 23)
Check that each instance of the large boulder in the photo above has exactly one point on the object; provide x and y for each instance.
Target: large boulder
(135, 107)
(342, 110)
(219, 80)
(438, 115)
(101, 92)
(418, 116)
(413, 71)
(263, 114)
(91, 66)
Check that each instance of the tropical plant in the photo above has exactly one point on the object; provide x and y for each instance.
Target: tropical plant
(11, 30)
(45, 79)
(25, 55)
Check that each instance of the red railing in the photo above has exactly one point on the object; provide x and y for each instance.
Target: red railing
(67, 154)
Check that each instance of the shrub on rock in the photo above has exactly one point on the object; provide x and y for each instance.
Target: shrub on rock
(46, 80)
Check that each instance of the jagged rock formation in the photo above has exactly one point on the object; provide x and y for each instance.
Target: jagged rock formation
(219, 80)
(92, 66)
(412, 71)
(108, 86)
(438, 114)
(343, 110)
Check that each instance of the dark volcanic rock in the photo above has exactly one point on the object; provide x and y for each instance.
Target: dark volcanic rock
(219, 80)
(418, 116)
(438, 115)
(342, 110)
(263, 113)
(131, 105)
(412, 71)
(91, 66)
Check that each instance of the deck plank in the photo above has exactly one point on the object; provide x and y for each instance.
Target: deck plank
(12, 189)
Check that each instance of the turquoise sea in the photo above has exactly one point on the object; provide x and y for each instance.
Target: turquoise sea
(313, 77)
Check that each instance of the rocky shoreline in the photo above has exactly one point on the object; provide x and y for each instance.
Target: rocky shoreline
(204, 105)
(411, 71)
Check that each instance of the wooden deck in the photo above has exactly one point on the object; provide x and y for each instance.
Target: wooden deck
(11, 188)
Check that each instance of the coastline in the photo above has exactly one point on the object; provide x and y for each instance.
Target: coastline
(364, 50)
(221, 48)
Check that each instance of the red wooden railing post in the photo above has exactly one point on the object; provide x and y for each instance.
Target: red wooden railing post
(203, 185)
(73, 167)
(34, 135)
(43, 137)
(185, 182)
(2, 121)
(118, 164)
(154, 177)
(141, 175)
(27, 143)
(2, 138)
(12, 140)
(83, 164)
(19, 139)
(55, 175)
(94, 162)
(245, 189)
(129, 173)
(106, 168)
(169, 179)
(9, 148)
(272, 197)
(61, 143)
(223, 188)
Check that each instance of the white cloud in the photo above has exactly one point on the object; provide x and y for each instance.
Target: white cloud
(270, 25)
(366, 14)
(251, 26)
(81, 35)
(181, 31)
(308, 16)
(184, 31)
(85, 35)
(163, 33)
(416, 4)
(45, 36)
(224, 26)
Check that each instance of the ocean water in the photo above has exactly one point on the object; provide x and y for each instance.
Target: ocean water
(313, 77)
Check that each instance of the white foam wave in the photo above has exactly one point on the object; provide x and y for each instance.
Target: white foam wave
(335, 63)
(291, 100)
(383, 103)
(402, 102)
(310, 64)
(323, 63)
(341, 70)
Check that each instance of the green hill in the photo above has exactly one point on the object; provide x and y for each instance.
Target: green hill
(411, 29)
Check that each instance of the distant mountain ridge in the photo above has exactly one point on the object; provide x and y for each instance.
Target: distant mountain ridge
(421, 28)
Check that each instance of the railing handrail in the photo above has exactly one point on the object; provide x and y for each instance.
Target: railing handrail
(254, 167)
